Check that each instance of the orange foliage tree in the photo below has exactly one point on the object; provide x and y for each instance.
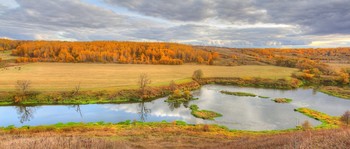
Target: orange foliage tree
(112, 52)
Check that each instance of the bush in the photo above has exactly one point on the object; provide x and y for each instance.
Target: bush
(346, 118)
(306, 125)
(198, 74)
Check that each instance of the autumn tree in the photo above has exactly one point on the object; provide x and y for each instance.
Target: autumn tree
(344, 75)
(172, 85)
(109, 51)
(198, 74)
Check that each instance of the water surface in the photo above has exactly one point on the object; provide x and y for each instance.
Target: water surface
(244, 113)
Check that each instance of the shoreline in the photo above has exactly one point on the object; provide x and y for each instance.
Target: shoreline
(151, 93)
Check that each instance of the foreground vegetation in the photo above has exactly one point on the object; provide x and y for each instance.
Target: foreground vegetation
(164, 135)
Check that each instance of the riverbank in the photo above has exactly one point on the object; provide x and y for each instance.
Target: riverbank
(163, 135)
(150, 93)
(341, 92)
(134, 95)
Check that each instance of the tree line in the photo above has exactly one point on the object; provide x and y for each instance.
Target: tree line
(112, 52)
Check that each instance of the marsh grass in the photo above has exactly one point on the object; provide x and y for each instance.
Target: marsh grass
(203, 114)
(238, 93)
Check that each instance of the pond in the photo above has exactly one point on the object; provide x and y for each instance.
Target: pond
(242, 113)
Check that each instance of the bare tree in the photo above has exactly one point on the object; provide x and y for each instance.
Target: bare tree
(144, 111)
(144, 80)
(23, 86)
(76, 89)
(77, 109)
(25, 113)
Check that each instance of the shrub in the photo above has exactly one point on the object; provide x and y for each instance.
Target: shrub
(346, 118)
(198, 74)
(306, 125)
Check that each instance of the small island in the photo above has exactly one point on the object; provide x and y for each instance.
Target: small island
(263, 97)
(282, 100)
(204, 114)
(238, 93)
(179, 96)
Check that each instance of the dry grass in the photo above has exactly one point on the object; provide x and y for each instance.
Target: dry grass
(171, 136)
(65, 76)
(333, 138)
(6, 55)
(338, 67)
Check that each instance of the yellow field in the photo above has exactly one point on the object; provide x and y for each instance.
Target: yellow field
(64, 76)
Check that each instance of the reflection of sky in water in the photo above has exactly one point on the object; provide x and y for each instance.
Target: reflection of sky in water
(247, 113)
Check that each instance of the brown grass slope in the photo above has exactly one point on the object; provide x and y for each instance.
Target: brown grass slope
(171, 137)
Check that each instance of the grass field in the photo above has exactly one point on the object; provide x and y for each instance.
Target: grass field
(65, 76)
(6, 55)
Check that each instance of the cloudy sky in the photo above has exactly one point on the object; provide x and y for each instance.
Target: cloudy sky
(230, 23)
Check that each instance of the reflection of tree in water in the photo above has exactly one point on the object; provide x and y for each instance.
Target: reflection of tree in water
(186, 104)
(25, 113)
(143, 111)
(77, 109)
(175, 105)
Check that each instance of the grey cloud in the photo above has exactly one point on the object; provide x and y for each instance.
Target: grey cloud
(3, 8)
(61, 13)
(195, 10)
(229, 37)
(189, 10)
(314, 16)
(182, 21)
(65, 19)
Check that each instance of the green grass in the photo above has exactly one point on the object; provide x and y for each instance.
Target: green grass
(263, 97)
(238, 93)
(203, 114)
(92, 76)
(282, 100)
(327, 121)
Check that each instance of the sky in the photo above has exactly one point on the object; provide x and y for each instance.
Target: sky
(224, 23)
